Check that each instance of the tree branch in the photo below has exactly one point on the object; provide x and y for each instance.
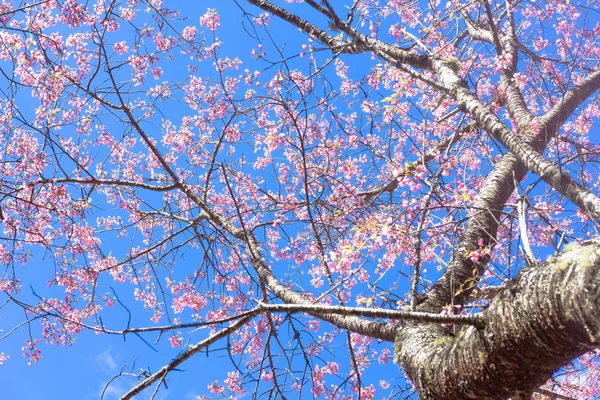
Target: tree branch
(318, 310)
(535, 162)
(573, 98)
(161, 373)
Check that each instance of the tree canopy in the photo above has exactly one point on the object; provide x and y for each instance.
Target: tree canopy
(309, 189)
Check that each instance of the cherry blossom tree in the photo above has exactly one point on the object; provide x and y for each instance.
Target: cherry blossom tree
(349, 182)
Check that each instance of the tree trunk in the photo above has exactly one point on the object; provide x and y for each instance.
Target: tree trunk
(548, 315)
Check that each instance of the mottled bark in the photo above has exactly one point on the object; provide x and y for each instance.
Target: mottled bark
(548, 315)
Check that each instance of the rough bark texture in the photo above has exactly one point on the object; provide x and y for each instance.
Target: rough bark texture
(548, 315)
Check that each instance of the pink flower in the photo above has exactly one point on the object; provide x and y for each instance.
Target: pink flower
(396, 31)
(385, 357)
(72, 13)
(234, 383)
(189, 32)
(216, 389)
(265, 376)
(262, 19)
(210, 20)
(31, 351)
(175, 340)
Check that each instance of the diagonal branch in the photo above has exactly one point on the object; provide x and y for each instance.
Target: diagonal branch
(411, 168)
(571, 100)
(107, 182)
(514, 102)
(162, 373)
(534, 161)
(314, 309)
(361, 43)
(318, 310)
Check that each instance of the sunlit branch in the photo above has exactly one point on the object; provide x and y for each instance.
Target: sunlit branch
(571, 100)
(493, 28)
(320, 310)
(533, 160)
(23, 8)
(360, 44)
(190, 351)
(107, 182)
(523, 231)
(476, 32)
(514, 102)
(304, 25)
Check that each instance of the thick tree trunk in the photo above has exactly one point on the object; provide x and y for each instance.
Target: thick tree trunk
(548, 315)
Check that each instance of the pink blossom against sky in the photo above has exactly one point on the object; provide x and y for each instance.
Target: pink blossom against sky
(194, 98)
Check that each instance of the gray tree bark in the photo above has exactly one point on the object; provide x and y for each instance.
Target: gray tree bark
(548, 315)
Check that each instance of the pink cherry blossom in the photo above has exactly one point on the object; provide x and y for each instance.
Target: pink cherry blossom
(210, 20)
